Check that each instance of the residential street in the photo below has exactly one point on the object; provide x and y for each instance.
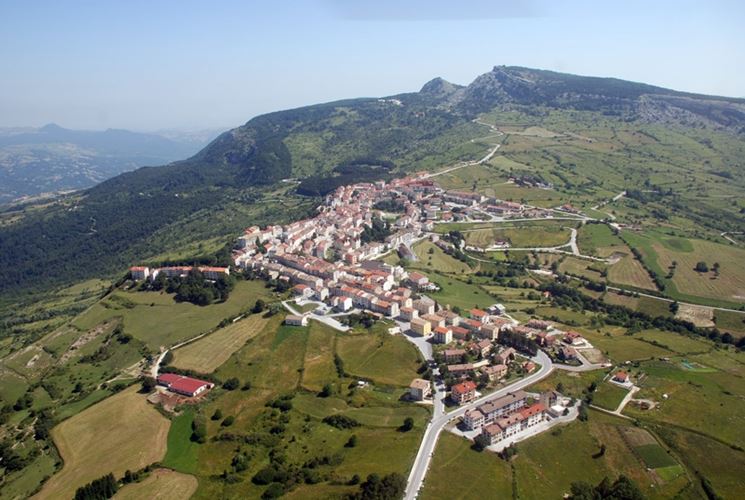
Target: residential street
(438, 423)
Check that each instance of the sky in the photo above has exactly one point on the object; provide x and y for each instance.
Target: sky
(181, 64)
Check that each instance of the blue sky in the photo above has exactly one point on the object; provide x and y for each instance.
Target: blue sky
(147, 65)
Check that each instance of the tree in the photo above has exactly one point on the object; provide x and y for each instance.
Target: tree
(327, 391)
(352, 441)
(231, 384)
(258, 307)
(408, 424)
(701, 267)
(674, 307)
(103, 487)
(148, 384)
(217, 415)
(228, 421)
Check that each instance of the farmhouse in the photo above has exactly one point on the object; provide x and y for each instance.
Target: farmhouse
(186, 386)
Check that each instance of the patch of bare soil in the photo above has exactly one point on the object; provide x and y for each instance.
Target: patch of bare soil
(698, 315)
(83, 340)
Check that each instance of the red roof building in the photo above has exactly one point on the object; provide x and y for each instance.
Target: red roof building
(463, 392)
(186, 386)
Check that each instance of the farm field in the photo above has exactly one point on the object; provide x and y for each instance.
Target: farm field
(318, 365)
(592, 237)
(608, 396)
(547, 464)
(677, 343)
(519, 237)
(629, 271)
(479, 474)
(181, 453)
(161, 484)
(380, 357)
(692, 384)
(122, 432)
(455, 292)
(716, 462)
(621, 348)
(731, 322)
(156, 319)
(208, 353)
(726, 289)
(295, 362)
(437, 259)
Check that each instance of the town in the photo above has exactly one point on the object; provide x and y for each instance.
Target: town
(331, 262)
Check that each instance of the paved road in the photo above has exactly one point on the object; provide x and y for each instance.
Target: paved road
(438, 423)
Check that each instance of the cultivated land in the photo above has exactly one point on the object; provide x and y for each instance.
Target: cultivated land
(156, 319)
(208, 353)
(161, 484)
(477, 474)
(123, 432)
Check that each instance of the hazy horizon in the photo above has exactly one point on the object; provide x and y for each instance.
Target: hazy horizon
(187, 66)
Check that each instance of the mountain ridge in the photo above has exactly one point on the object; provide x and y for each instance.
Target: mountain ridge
(412, 130)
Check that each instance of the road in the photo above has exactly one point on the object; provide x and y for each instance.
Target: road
(485, 159)
(438, 423)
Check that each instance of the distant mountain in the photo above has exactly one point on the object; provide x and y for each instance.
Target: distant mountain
(116, 221)
(52, 159)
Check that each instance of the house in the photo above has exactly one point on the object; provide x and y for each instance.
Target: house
(420, 389)
(434, 320)
(529, 367)
(479, 315)
(463, 393)
(489, 331)
(408, 313)
(567, 354)
(495, 372)
(418, 279)
(424, 305)
(453, 355)
(451, 318)
(497, 309)
(139, 273)
(621, 377)
(460, 369)
(480, 348)
(302, 290)
(573, 339)
(186, 386)
(512, 424)
(214, 273)
(459, 333)
(506, 355)
(295, 320)
(421, 327)
(505, 405)
(443, 335)
(474, 419)
(341, 303)
(538, 324)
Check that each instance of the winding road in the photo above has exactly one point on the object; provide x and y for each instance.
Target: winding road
(441, 419)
